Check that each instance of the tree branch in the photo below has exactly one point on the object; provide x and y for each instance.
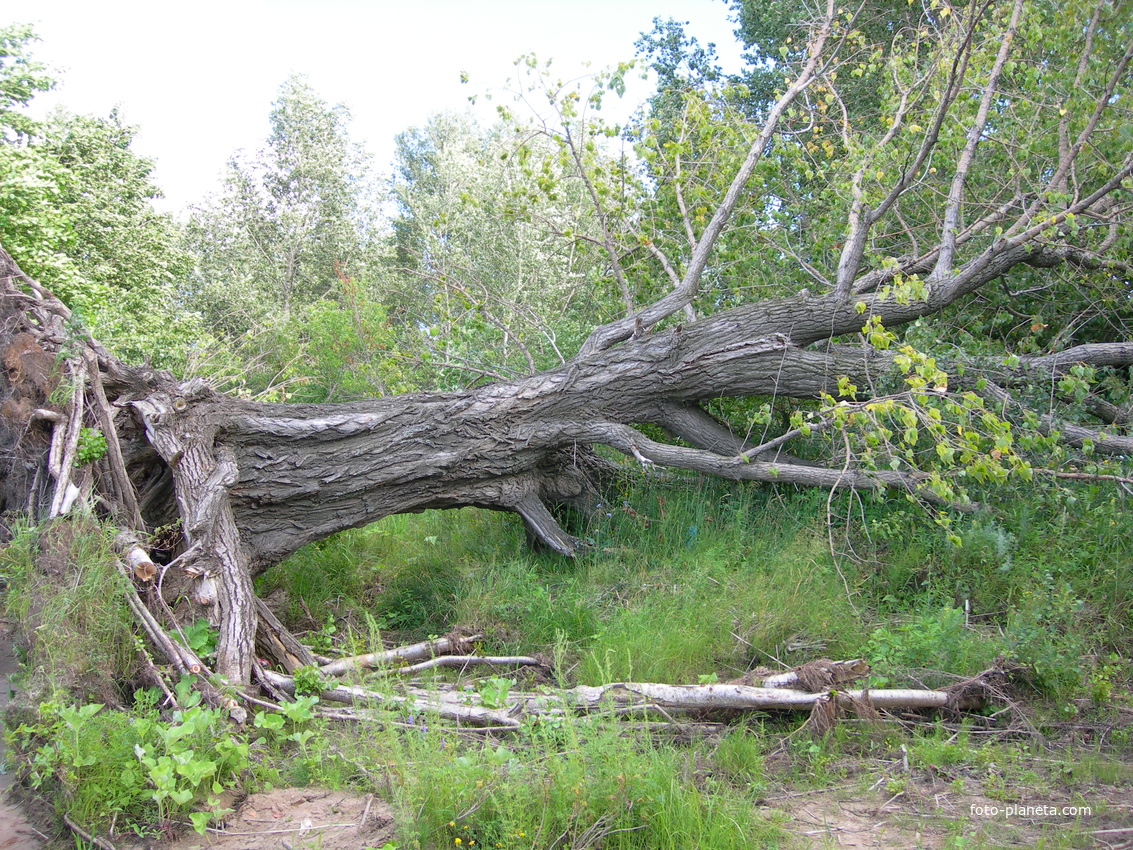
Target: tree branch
(610, 334)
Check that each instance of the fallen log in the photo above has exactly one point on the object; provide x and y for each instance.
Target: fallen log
(812, 684)
(462, 710)
(401, 655)
(466, 706)
(706, 697)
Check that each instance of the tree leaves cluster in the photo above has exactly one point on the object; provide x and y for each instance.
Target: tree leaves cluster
(76, 210)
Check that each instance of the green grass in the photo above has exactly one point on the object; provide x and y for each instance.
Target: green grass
(705, 578)
(575, 783)
(681, 582)
(65, 594)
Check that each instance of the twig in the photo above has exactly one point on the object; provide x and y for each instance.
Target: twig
(1083, 476)
(810, 793)
(464, 661)
(86, 836)
(413, 652)
(366, 812)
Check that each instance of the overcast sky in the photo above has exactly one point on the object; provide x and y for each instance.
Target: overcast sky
(199, 78)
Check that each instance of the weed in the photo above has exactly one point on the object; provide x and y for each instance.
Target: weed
(139, 771)
(91, 446)
(309, 681)
(494, 691)
(200, 637)
(930, 640)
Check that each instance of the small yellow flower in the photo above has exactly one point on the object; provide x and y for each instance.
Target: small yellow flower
(457, 841)
(452, 823)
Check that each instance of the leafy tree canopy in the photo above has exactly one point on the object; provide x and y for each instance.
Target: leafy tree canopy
(76, 211)
(21, 78)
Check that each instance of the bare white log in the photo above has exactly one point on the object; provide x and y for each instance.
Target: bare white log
(460, 708)
(402, 654)
(463, 661)
(703, 697)
(464, 706)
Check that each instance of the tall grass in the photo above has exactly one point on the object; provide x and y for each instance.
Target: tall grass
(573, 783)
(65, 593)
(702, 578)
(680, 582)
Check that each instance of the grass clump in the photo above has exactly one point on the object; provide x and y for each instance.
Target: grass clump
(66, 596)
(570, 783)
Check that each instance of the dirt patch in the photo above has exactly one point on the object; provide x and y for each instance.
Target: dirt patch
(297, 819)
(927, 814)
(847, 820)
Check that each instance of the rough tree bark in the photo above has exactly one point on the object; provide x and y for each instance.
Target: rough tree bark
(252, 483)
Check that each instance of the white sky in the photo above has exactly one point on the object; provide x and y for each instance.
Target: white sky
(199, 78)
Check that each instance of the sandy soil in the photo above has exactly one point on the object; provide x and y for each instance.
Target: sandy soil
(929, 815)
(297, 819)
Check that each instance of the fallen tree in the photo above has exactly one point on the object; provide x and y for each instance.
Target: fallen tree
(251, 483)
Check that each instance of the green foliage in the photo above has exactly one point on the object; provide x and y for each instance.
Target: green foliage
(288, 270)
(493, 691)
(1040, 578)
(20, 79)
(128, 256)
(498, 240)
(200, 637)
(1047, 634)
(64, 590)
(932, 641)
(292, 219)
(309, 681)
(76, 213)
(140, 772)
(91, 447)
